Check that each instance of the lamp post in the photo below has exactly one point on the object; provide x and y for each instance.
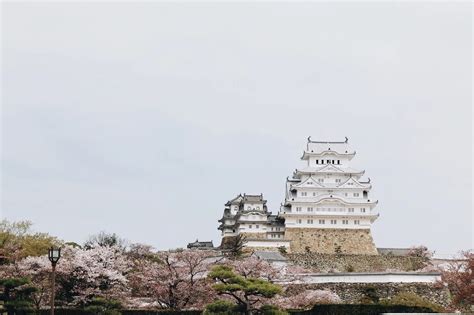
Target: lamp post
(53, 254)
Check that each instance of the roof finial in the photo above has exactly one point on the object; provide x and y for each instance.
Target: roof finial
(368, 179)
(347, 139)
(309, 139)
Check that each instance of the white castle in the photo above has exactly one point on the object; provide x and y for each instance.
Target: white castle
(327, 207)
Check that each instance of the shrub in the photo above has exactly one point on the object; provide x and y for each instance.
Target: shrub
(370, 296)
(282, 250)
(412, 299)
(221, 307)
(272, 310)
(101, 306)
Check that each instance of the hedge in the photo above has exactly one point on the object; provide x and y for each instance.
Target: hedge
(323, 309)
(361, 309)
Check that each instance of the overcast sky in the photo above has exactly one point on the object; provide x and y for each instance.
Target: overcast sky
(144, 119)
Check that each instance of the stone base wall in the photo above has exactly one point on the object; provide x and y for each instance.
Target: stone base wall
(330, 241)
(353, 293)
(255, 236)
(357, 263)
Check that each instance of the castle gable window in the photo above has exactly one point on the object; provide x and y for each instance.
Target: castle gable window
(310, 221)
(321, 221)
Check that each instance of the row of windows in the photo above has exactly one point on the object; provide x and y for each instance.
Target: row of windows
(322, 221)
(305, 194)
(311, 209)
(329, 162)
(250, 208)
(256, 226)
(275, 235)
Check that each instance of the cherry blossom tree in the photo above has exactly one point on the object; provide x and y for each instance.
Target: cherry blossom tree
(307, 299)
(38, 270)
(177, 281)
(458, 276)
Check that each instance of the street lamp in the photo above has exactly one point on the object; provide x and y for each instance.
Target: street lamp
(53, 254)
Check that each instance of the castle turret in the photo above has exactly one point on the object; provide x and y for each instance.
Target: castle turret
(327, 207)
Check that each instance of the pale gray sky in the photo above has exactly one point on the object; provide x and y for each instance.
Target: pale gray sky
(144, 119)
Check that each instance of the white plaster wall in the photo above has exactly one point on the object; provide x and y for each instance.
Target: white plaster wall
(273, 244)
(292, 222)
(253, 206)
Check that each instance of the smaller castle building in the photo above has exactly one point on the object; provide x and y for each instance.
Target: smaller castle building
(247, 215)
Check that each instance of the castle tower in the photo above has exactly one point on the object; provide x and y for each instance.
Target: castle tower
(248, 216)
(327, 207)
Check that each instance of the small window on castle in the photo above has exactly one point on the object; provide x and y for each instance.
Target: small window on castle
(321, 222)
(345, 221)
(350, 209)
(362, 209)
(304, 193)
(299, 221)
(333, 221)
(314, 194)
(321, 180)
(250, 226)
(256, 226)
(298, 209)
(258, 208)
(333, 162)
(338, 180)
(338, 161)
(317, 161)
(249, 208)
(356, 222)
(279, 236)
(356, 194)
(310, 209)
(328, 161)
(345, 194)
(322, 161)
(310, 221)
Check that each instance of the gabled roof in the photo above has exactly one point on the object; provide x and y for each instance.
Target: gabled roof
(254, 198)
(313, 181)
(318, 147)
(235, 200)
(355, 182)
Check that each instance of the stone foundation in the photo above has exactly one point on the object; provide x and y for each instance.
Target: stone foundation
(353, 293)
(330, 241)
(357, 263)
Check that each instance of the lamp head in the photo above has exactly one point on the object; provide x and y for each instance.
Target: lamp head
(54, 254)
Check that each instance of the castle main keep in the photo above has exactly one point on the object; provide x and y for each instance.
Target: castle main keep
(327, 208)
